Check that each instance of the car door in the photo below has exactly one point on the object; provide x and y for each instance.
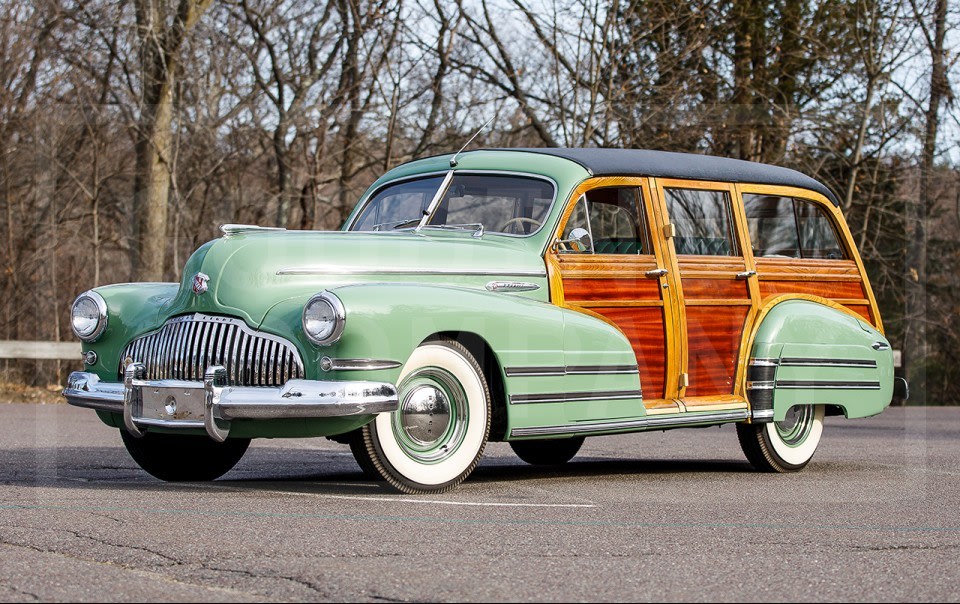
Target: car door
(619, 276)
(716, 284)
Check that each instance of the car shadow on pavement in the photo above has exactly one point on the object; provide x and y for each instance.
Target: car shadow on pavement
(328, 470)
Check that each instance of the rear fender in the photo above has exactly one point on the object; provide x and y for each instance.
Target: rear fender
(809, 351)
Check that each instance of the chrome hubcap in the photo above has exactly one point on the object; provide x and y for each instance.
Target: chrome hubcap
(795, 427)
(431, 423)
(425, 414)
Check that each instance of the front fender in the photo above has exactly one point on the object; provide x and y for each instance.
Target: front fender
(132, 308)
(388, 321)
(809, 352)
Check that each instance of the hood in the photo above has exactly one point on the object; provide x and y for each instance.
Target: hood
(251, 272)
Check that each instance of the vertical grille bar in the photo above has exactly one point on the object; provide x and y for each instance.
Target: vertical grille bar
(187, 345)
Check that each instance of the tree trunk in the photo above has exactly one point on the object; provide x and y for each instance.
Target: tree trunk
(915, 336)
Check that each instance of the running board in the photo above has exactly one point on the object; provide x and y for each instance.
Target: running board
(660, 422)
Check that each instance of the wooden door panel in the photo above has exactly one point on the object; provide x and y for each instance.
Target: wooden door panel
(645, 329)
(713, 344)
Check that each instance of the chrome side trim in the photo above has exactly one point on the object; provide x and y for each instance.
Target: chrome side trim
(297, 399)
(644, 423)
(330, 364)
(337, 270)
(765, 385)
(819, 362)
(827, 385)
(561, 370)
(763, 415)
(511, 286)
(239, 229)
(764, 362)
(569, 397)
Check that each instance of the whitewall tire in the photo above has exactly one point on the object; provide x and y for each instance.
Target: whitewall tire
(437, 436)
(785, 446)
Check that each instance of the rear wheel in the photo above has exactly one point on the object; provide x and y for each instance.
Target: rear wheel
(436, 437)
(184, 458)
(547, 452)
(785, 446)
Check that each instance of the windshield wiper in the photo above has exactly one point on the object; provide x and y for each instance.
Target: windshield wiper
(397, 224)
(476, 227)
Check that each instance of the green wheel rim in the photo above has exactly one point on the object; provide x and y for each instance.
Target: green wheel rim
(431, 423)
(796, 426)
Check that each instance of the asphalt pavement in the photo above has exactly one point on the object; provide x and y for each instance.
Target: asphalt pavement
(677, 516)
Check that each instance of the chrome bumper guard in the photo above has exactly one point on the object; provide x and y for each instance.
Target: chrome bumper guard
(212, 405)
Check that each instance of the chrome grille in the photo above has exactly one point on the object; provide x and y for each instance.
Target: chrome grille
(186, 345)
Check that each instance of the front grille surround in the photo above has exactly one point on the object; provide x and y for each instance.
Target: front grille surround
(187, 344)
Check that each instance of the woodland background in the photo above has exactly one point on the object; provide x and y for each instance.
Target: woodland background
(130, 129)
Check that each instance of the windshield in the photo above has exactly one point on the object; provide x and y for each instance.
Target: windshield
(512, 205)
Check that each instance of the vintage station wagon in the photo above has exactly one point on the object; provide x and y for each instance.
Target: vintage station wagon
(535, 296)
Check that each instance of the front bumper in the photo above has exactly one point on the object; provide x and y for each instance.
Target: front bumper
(212, 405)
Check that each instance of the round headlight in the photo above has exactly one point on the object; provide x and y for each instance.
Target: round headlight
(88, 317)
(323, 319)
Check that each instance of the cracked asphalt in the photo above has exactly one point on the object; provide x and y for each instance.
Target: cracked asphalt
(676, 516)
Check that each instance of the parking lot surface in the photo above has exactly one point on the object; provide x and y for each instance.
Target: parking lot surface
(673, 516)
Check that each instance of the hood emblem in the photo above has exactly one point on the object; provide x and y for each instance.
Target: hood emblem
(200, 283)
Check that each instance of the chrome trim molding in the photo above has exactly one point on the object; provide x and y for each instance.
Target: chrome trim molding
(764, 362)
(299, 399)
(330, 364)
(561, 370)
(511, 286)
(239, 229)
(644, 423)
(764, 385)
(763, 415)
(570, 397)
(337, 270)
(827, 385)
(880, 346)
(820, 362)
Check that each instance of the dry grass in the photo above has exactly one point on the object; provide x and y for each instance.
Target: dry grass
(12, 392)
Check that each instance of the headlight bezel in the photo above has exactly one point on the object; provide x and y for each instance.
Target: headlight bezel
(102, 317)
(338, 311)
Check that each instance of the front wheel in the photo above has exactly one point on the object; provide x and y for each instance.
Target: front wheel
(436, 437)
(785, 446)
(184, 458)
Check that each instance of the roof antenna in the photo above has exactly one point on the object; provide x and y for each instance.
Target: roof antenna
(453, 160)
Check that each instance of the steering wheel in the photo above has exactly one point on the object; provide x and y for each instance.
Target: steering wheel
(519, 220)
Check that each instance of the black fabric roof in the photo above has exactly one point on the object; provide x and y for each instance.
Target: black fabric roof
(642, 162)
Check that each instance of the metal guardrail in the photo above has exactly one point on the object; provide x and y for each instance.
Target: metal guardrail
(27, 349)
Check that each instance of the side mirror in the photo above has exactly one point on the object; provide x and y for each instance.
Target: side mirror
(579, 241)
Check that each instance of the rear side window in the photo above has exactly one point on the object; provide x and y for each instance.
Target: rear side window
(703, 222)
(791, 228)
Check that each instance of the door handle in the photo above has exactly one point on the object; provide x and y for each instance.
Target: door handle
(746, 274)
(656, 273)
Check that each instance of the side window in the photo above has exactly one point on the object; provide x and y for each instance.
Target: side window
(773, 226)
(703, 222)
(794, 228)
(818, 238)
(579, 219)
(611, 217)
